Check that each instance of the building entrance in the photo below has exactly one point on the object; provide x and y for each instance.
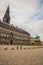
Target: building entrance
(11, 42)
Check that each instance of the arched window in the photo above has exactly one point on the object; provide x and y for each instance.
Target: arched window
(4, 35)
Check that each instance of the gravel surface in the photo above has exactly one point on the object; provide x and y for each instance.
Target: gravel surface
(21, 57)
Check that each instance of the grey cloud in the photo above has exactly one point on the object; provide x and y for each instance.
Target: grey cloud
(20, 10)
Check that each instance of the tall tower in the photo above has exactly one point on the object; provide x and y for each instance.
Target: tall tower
(6, 17)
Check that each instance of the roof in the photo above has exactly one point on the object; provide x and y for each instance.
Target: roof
(8, 26)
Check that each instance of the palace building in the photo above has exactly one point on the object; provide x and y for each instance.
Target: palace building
(11, 35)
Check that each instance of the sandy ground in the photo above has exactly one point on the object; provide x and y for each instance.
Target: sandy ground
(21, 57)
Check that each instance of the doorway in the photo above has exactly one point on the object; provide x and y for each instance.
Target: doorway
(11, 42)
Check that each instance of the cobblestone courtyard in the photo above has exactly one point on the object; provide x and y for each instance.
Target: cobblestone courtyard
(21, 57)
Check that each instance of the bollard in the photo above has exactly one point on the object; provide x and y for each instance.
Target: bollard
(21, 47)
(17, 48)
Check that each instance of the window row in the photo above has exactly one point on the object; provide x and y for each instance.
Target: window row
(11, 36)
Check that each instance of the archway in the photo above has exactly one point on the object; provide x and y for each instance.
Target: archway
(11, 42)
(32, 43)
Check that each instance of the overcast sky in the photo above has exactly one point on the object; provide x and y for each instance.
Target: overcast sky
(26, 14)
